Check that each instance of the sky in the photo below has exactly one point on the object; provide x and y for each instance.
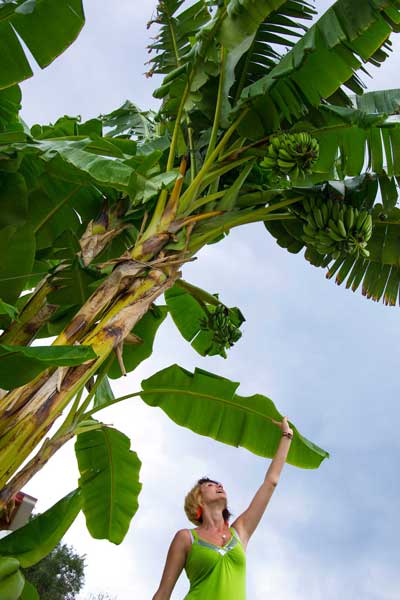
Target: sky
(327, 358)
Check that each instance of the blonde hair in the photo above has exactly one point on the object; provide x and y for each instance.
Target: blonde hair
(193, 500)
(192, 503)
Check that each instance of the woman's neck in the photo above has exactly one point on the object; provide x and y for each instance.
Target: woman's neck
(213, 520)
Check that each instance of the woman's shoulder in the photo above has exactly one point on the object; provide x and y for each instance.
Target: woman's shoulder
(184, 537)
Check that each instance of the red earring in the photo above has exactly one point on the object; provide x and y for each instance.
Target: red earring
(199, 513)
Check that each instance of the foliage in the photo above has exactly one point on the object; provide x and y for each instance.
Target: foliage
(98, 219)
(33, 542)
(58, 576)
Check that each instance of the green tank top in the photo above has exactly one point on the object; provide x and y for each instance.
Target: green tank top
(216, 572)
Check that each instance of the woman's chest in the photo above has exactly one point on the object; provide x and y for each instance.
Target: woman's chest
(204, 556)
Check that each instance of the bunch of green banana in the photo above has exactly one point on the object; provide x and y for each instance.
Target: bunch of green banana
(225, 332)
(292, 154)
(12, 581)
(336, 229)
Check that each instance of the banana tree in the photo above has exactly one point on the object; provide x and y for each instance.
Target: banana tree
(262, 119)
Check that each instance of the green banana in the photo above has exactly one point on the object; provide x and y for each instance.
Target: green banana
(318, 217)
(362, 217)
(334, 235)
(349, 218)
(335, 211)
(342, 228)
(309, 230)
(325, 212)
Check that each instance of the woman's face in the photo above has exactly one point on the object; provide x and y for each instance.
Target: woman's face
(212, 491)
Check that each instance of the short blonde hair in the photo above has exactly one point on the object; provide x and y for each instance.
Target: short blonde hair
(193, 500)
(192, 503)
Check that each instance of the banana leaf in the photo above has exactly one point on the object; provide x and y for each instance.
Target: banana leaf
(29, 592)
(20, 364)
(38, 537)
(109, 482)
(47, 28)
(327, 57)
(208, 405)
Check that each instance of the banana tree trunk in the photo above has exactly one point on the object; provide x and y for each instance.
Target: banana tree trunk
(106, 319)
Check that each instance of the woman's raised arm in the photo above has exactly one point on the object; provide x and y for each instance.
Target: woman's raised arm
(247, 522)
(174, 564)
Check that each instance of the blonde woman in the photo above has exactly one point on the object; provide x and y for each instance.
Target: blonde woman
(213, 554)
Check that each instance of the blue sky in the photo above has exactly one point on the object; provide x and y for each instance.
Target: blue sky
(328, 359)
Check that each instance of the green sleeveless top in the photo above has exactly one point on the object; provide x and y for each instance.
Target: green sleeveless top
(216, 572)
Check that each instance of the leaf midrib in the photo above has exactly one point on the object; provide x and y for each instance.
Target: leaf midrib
(206, 396)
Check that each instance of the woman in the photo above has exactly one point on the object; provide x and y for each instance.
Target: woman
(213, 554)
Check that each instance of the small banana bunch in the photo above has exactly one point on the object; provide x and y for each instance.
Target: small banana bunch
(292, 154)
(336, 229)
(225, 332)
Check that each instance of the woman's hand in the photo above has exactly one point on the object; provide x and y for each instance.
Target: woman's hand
(283, 425)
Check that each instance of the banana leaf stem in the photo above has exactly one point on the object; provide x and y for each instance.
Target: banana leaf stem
(77, 409)
(189, 195)
(160, 206)
(218, 106)
(195, 219)
(72, 412)
(192, 154)
(186, 392)
(223, 223)
(205, 200)
(174, 140)
(197, 292)
(100, 377)
(222, 170)
(233, 153)
(172, 206)
(115, 401)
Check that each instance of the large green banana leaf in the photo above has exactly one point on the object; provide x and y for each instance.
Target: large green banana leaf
(328, 56)
(38, 537)
(129, 120)
(109, 482)
(280, 30)
(17, 249)
(11, 128)
(208, 404)
(58, 184)
(47, 27)
(353, 141)
(19, 364)
(29, 592)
